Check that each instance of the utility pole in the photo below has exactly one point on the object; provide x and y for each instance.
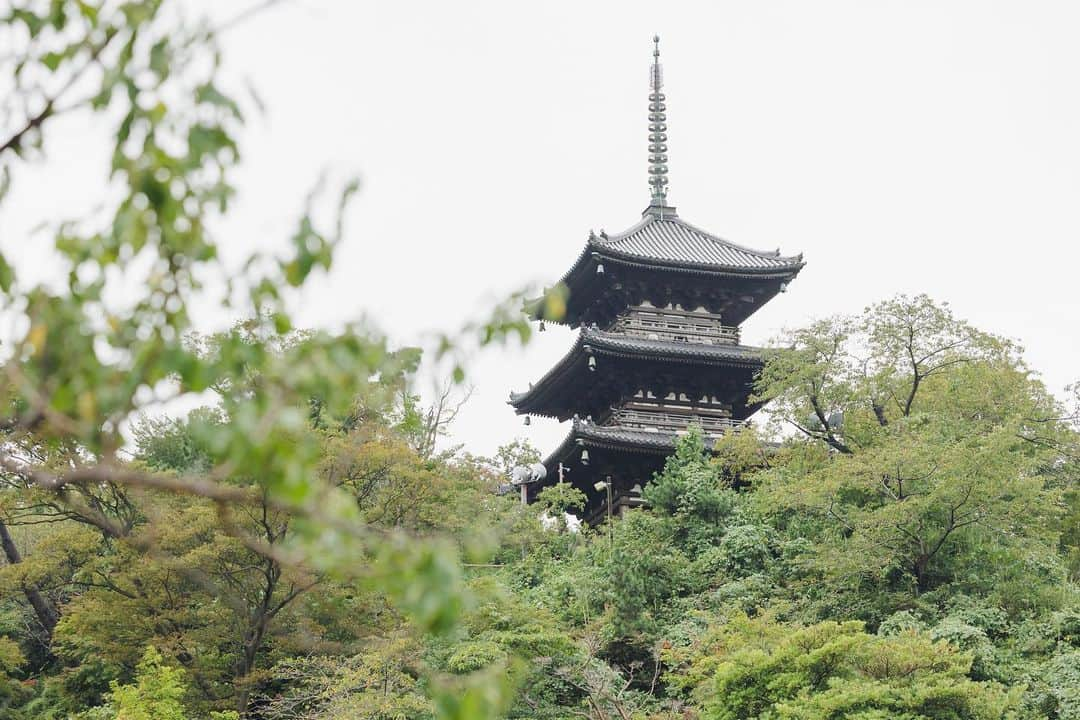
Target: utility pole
(525, 485)
(610, 525)
(606, 485)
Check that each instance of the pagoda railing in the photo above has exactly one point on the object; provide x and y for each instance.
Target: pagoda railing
(676, 326)
(670, 422)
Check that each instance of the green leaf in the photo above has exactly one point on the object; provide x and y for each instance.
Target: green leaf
(160, 58)
(282, 323)
(52, 60)
(208, 94)
(5, 182)
(88, 11)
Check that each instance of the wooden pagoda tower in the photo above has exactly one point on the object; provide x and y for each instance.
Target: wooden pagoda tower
(658, 308)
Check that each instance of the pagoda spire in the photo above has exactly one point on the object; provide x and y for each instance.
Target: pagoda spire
(657, 131)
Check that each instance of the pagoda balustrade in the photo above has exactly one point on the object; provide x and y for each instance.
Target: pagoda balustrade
(675, 325)
(666, 421)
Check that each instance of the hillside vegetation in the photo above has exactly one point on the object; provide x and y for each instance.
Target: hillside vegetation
(901, 540)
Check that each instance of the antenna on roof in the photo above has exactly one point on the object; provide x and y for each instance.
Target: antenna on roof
(657, 130)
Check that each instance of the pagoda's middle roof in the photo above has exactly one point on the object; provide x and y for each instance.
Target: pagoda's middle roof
(670, 239)
(538, 398)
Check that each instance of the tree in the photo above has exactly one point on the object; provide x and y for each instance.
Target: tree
(749, 668)
(44, 608)
(293, 549)
(380, 684)
(933, 456)
(838, 378)
(559, 499)
(424, 426)
(156, 694)
(86, 355)
(513, 454)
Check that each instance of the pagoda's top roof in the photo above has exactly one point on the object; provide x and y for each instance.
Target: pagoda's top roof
(677, 258)
(663, 237)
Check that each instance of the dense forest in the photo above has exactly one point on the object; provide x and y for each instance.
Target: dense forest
(899, 539)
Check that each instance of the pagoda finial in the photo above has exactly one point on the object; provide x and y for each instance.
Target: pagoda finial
(657, 130)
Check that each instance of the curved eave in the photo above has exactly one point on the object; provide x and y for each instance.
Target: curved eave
(583, 271)
(596, 342)
(657, 242)
(535, 307)
(520, 400)
(654, 234)
(778, 272)
(587, 435)
(579, 439)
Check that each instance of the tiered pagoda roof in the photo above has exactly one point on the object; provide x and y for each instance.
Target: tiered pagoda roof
(663, 256)
(667, 240)
(572, 387)
(643, 450)
(664, 241)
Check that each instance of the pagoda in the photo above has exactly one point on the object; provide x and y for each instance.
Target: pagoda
(659, 309)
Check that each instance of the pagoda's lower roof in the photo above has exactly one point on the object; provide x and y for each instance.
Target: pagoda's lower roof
(628, 440)
(548, 396)
(624, 456)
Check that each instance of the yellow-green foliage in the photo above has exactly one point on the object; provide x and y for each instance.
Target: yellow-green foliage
(157, 694)
(300, 542)
(747, 668)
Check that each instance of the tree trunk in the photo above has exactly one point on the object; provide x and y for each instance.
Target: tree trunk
(920, 568)
(46, 611)
(252, 645)
(258, 624)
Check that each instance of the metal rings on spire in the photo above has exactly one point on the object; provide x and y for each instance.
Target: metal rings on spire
(657, 128)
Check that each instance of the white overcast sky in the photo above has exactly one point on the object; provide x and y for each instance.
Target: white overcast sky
(902, 146)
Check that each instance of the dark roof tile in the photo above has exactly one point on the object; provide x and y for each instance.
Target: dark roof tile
(671, 239)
